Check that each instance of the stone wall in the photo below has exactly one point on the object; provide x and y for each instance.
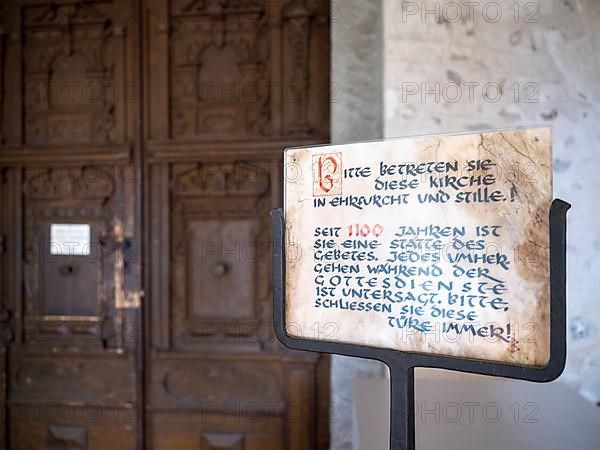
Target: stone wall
(409, 68)
(357, 115)
(513, 64)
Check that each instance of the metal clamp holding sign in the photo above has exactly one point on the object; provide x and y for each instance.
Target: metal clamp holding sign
(441, 251)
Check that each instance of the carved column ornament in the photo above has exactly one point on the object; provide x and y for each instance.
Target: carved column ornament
(297, 26)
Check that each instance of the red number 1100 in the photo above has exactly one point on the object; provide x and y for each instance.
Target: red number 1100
(359, 230)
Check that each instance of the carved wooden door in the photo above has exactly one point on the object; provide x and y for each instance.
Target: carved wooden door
(70, 284)
(152, 131)
(229, 84)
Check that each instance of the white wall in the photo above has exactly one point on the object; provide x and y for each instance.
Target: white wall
(454, 413)
(547, 63)
(357, 114)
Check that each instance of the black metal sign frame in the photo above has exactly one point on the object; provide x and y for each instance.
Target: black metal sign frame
(402, 364)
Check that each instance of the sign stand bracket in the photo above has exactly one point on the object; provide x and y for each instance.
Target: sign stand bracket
(402, 364)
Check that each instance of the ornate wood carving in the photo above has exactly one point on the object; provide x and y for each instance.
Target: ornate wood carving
(238, 179)
(297, 32)
(70, 62)
(63, 183)
(219, 69)
(238, 70)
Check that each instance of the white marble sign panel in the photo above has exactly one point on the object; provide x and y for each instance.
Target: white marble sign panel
(436, 244)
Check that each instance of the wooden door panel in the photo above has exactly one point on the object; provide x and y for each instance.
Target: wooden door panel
(219, 253)
(72, 295)
(221, 355)
(225, 258)
(83, 428)
(201, 432)
(74, 292)
(73, 76)
(215, 58)
(71, 377)
(211, 382)
(237, 70)
(60, 401)
(70, 354)
(228, 86)
(65, 152)
(58, 273)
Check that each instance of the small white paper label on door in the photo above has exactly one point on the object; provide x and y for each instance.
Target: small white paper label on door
(69, 239)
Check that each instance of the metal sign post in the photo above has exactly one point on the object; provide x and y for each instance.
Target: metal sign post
(402, 364)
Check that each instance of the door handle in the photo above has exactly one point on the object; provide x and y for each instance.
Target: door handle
(67, 269)
(219, 269)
